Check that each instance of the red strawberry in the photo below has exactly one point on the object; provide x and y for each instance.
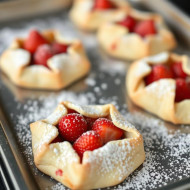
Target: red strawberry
(72, 126)
(43, 53)
(71, 111)
(59, 48)
(87, 141)
(145, 28)
(107, 130)
(158, 72)
(59, 138)
(129, 22)
(33, 41)
(182, 90)
(103, 4)
(177, 70)
(90, 122)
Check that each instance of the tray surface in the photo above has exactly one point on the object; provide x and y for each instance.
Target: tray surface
(166, 145)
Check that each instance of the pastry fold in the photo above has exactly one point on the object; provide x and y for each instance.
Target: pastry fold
(83, 15)
(63, 69)
(103, 167)
(116, 40)
(159, 96)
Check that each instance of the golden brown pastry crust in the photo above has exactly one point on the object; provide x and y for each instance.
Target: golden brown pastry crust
(116, 40)
(63, 68)
(87, 19)
(106, 166)
(158, 97)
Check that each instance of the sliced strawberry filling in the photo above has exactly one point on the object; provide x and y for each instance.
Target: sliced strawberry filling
(72, 126)
(176, 72)
(158, 72)
(182, 90)
(129, 22)
(87, 141)
(40, 49)
(103, 5)
(86, 133)
(33, 41)
(143, 28)
(107, 130)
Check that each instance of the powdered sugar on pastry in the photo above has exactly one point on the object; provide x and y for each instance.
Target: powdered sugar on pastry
(162, 87)
(64, 153)
(159, 58)
(109, 156)
(20, 57)
(48, 134)
(142, 68)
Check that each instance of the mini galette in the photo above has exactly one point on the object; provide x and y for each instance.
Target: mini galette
(161, 85)
(44, 61)
(90, 14)
(135, 36)
(86, 147)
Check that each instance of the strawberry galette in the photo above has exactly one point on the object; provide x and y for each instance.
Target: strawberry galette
(135, 36)
(45, 61)
(90, 14)
(161, 85)
(86, 147)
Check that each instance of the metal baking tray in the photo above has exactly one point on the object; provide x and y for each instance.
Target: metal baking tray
(167, 164)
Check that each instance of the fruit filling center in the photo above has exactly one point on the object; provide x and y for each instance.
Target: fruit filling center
(143, 28)
(41, 49)
(103, 5)
(173, 71)
(86, 133)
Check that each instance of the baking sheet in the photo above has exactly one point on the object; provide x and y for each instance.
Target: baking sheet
(166, 145)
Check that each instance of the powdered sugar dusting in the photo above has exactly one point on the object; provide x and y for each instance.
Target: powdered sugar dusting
(162, 88)
(142, 68)
(109, 156)
(19, 57)
(48, 133)
(64, 153)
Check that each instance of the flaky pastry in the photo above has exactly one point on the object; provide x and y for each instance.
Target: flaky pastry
(119, 42)
(159, 96)
(63, 69)
(105, 166)
(87, 18)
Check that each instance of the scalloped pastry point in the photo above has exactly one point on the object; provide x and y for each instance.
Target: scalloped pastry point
(63, 69)
(106, 166)
(119, 42)
(83, 15)
(159, 96)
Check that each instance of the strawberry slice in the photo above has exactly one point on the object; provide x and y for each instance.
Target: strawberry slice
(182, 90)
(59, 138)
(87, 141)
(145, 28)
(90, 121)
(107, 130)
(158, 72)
(178, 71)
(43, 53)
(72, 126)
(59, 48)
(129, 22)
(103, 4)
(71, 111)
(33, 41)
